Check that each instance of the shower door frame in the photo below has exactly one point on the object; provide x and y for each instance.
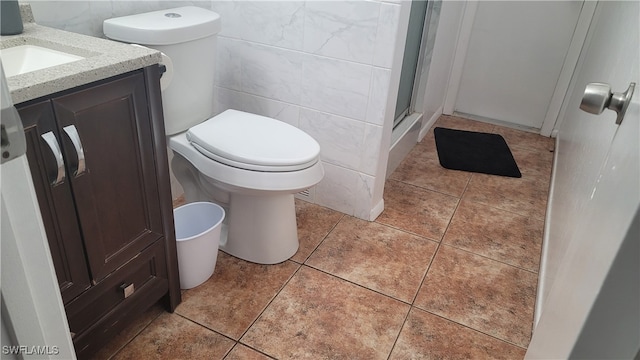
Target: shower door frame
(418, 85)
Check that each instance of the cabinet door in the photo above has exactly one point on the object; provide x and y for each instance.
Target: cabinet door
(55, 199)
(106, 135)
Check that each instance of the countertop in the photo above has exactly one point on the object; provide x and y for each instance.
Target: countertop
(103, 59)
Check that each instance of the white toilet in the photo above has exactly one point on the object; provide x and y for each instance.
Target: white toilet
(251, 165)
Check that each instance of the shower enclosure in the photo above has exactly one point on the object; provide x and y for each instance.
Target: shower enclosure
(421, 34)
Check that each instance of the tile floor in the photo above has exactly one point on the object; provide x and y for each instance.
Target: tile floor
(449, 270)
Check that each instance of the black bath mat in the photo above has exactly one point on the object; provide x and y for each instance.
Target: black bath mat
(475, 152)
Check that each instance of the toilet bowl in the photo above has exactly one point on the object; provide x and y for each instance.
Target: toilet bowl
(257, 195)
(251, 165)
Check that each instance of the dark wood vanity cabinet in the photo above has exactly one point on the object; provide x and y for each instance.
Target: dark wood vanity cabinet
(98, 160)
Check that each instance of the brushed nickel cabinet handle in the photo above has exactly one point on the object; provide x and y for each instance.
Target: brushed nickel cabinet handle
(51, 140)
(77, 144)
(127, 289)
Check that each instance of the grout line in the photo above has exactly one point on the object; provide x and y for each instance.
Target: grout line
(470, 328)
(395, 342)
(271, 300)
(406, 231)
(204, 326)
(427, 188)
(321, 241)
(490, 258)
(356, 284)
(300, 265)
(238, 343)
(528, 216)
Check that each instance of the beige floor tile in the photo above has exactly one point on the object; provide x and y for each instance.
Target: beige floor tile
(318, 316)
(524, 196)
(173, 337)
(519, 138)
(314, 223)
(486, 295)
(235, 295)
(426, 336)
(459, 123)
(417, 210)
(422, 168)
(497, 234)
(534, 164)
(241, 352)
(375, 256)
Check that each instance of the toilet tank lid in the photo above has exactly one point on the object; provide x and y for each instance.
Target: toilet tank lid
(164, 27)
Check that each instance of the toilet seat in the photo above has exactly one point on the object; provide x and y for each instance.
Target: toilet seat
(254, 142)
(260, 181)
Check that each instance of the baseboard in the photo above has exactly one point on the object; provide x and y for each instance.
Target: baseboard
(426, 126)
(542, 284)
(377, 210)
(406, 138)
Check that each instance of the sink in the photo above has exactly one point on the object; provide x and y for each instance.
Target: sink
(22, 59)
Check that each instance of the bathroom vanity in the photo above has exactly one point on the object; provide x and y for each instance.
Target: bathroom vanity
(97, 153)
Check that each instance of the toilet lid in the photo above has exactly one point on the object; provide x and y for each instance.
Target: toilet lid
(254, 142)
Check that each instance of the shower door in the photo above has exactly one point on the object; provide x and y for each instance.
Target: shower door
(411, 62)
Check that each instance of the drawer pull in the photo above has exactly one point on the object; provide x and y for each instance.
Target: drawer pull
(51, 140)
(77, 144)
(128, 290)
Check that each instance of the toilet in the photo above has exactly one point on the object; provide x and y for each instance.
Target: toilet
(249, 164)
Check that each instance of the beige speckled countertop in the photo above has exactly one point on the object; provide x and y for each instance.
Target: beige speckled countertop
(103, 59)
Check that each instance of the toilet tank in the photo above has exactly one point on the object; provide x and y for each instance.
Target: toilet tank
(187, 35)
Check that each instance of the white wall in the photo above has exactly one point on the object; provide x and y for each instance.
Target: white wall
(323, 66)
(514, 57)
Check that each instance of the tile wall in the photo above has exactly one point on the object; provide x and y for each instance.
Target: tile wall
(323, 66)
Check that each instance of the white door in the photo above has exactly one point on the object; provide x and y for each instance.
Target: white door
(594, 202)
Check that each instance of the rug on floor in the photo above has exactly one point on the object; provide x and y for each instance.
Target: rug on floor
(475, 152)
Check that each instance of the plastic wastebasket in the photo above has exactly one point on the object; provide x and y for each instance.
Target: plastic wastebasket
(198, 227)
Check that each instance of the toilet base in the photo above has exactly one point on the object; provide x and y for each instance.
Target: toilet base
(261, 229)
(259, 226)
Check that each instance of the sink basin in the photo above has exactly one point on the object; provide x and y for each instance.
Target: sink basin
(26, 58)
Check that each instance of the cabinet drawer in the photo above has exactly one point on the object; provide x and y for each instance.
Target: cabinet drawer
(144, 273)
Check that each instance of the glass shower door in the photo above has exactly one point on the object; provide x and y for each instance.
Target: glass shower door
(411, 60)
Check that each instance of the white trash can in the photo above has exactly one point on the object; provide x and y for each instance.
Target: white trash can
(198, 227)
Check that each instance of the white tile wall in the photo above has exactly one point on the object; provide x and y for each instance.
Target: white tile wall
(277, 23)
(336, 86)
(323, 66)
(386, 35)
(378, 94)
(271, 72)
(341, 139)
(341, 29)
(338, 189)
